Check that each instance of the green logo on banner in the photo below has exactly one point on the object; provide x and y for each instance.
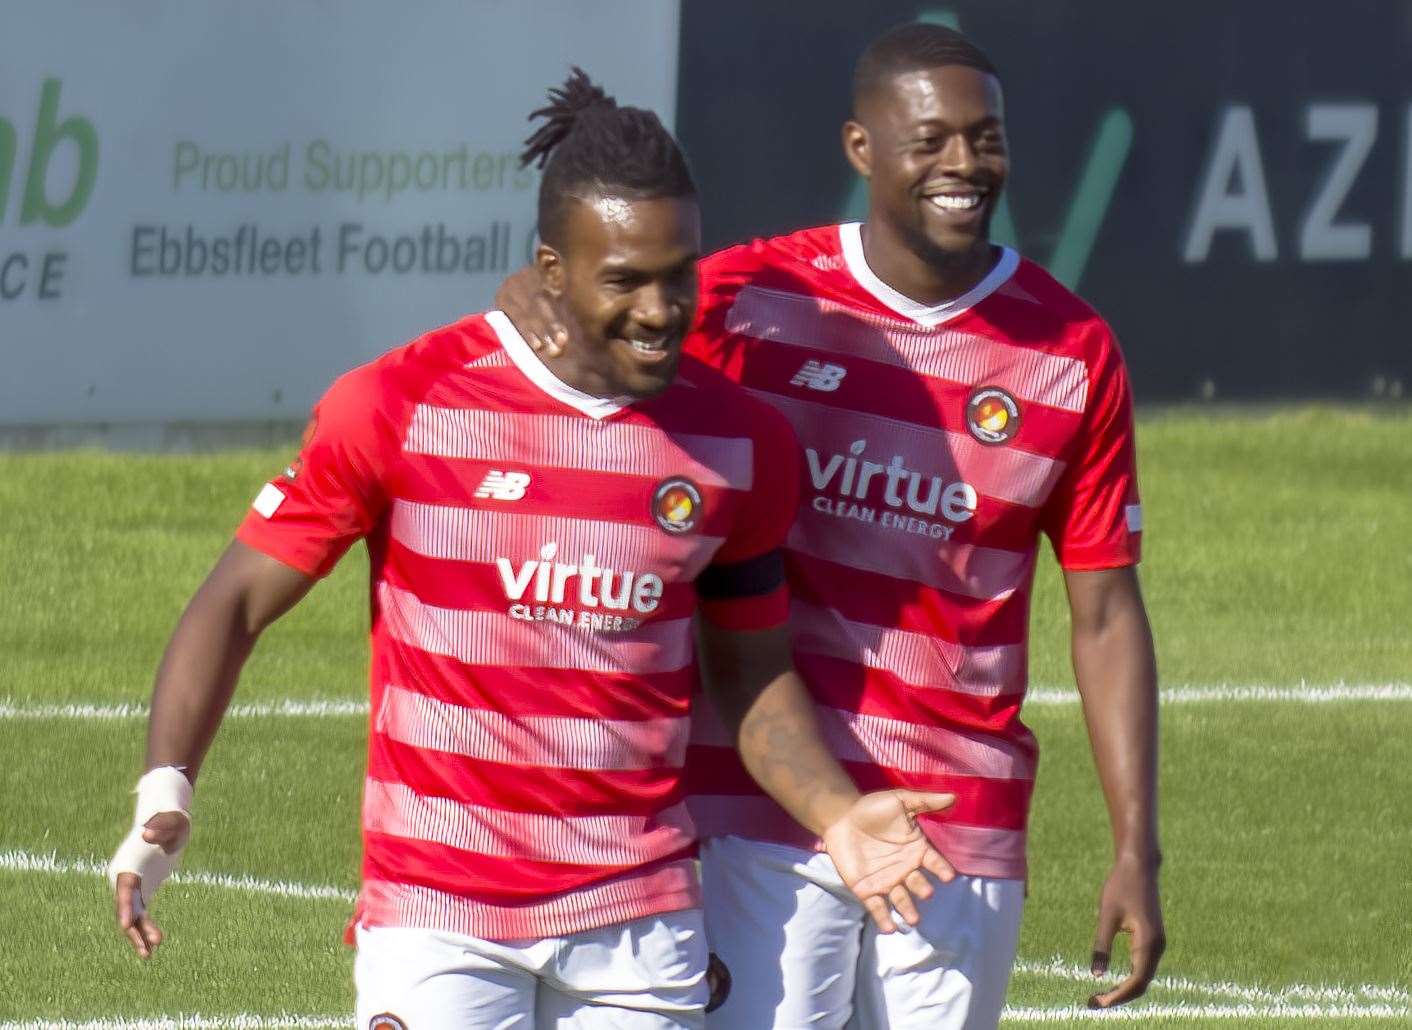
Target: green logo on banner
(49, 133)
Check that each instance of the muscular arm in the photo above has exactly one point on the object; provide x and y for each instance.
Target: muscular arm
(243, 594)
(1116, 673)
(874, 840)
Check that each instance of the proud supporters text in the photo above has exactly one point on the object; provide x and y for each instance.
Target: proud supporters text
(846, 480)
(552, 583)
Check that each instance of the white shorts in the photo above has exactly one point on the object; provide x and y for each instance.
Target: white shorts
(647, 974)
(802, 951)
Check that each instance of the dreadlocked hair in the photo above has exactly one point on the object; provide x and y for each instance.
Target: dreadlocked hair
(915, 46)
(588, 146)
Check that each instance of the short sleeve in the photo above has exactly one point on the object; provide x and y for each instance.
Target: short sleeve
(333, 492)
(744, 586)
(1094, 516)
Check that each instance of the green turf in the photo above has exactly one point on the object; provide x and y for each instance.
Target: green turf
(1276, 553)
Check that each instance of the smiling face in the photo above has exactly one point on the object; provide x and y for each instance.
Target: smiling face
(932, 145)
(625, 278)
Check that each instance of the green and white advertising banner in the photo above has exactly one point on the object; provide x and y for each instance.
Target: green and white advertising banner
(208, 211)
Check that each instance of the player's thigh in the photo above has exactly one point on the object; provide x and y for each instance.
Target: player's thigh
(423, 979)
(787, 930)
(645, 974)
(951, 971)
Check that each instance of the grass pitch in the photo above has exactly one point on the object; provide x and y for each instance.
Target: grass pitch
(1276, 555)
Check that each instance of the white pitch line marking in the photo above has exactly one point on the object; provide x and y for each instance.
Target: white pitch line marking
(1321, 994)
(1362, 1001)
(195, 1021)
(1143, 1012)
(1011, 1014)
(287, 708)
(1177, 695)
(29, 862)
(1302, 694)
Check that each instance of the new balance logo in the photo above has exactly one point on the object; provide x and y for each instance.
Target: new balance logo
(503, 486)
(818, 376)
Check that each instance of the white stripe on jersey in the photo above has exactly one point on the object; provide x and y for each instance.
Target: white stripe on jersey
(917, 659)
(611, 840)
(955, 356)
(935, 750)
(985, 573)
(558, 742)
(565, 441)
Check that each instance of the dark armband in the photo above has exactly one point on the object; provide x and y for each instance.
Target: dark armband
(750, 578)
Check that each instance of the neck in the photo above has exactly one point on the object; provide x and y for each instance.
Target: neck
(571, 373)
(930, 278)
(567, 364)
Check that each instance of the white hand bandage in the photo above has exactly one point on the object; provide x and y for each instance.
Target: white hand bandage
(164, 789)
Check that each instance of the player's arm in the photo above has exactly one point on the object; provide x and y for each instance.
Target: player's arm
(295, 532)
(874, 840)
(244, 593)
(1095, 521)
(1116, 673)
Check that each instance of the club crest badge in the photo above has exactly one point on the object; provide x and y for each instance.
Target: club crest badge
(676, 505)
(992, 415)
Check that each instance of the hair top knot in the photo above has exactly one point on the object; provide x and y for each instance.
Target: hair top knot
(567, 104)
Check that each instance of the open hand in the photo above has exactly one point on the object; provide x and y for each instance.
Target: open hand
(880, 851)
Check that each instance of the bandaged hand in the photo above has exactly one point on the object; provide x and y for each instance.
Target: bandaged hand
(147, 856)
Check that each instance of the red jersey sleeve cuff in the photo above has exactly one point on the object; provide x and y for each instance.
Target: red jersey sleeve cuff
(763, 611)
(1095, 559)
(301, 556)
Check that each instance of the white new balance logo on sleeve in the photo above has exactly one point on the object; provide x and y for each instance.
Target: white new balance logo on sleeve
(819, 376)
(503, 486)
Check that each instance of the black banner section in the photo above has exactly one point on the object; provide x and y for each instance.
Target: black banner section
(1230, 184)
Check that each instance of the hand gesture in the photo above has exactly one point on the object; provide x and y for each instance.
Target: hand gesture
(880, 851)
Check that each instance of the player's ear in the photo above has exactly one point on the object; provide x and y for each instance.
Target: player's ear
(858, 148)
(550, 265)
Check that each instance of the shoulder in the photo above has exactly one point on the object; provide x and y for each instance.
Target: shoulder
(1038, 310)
(385, 389)
(722, 405)
(816, 248)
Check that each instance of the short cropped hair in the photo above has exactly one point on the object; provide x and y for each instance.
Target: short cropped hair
(915, 46)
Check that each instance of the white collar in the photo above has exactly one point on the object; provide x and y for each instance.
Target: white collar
(850, 235)
(538, 373)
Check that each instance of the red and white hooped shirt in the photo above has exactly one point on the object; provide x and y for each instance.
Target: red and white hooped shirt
(939, 444)
(537, 557)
